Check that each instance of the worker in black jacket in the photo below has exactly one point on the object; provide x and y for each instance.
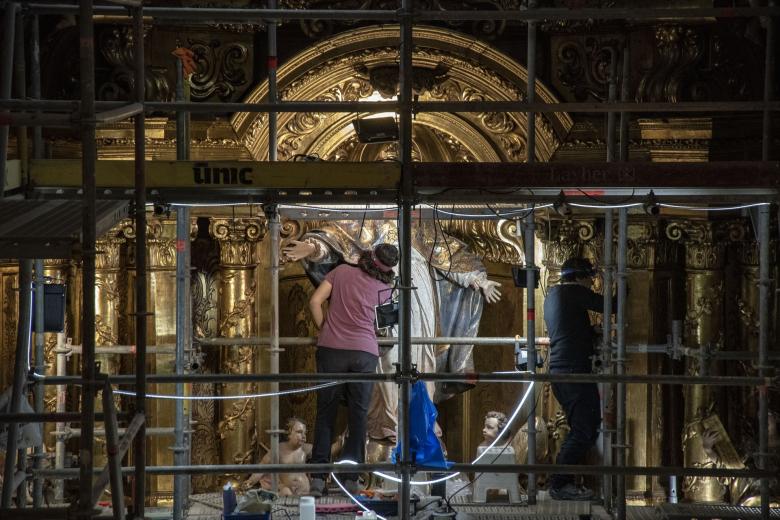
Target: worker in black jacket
(571, 350)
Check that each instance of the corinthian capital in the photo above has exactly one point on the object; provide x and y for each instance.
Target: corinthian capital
(705, 240)
(238, 239)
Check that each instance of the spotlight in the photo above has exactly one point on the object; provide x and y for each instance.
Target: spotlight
(376, 129)
(562, 207)
(651, 206)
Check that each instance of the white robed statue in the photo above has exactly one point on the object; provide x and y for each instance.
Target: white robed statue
(450, 288)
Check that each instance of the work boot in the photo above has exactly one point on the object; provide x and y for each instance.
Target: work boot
(317, 487)
(571, 492)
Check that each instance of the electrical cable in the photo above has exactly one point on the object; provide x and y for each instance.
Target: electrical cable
(604, 206)
(226, 397)
(591, 197)
(510, 214)
(722, 208)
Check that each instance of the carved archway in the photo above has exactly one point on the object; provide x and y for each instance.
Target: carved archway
(363, 63)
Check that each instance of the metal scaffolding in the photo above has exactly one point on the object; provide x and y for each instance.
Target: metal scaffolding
(434, 182)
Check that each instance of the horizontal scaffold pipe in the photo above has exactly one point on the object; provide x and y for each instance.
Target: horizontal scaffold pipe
(53, 417)
(457, 467)
(484, 377)
(441, 340)
(210, 15)
(419, 106)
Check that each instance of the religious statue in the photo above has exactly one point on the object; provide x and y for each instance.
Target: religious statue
(495, 422)
(722, 454)
(450, 286)
(294, 450)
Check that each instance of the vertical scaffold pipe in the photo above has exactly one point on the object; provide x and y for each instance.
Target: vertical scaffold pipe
(611, 97)
(20, 78)
(183, 327)
(275, 229)
(35, 82)
(530, 334)
(621, 358)
(763, 351)
(606, 360)
(769, 83)
(6, 78)
(88, 158)
(405, 243)
(624, 93)
(139, 446)
(61, 351)
(18, 391)
(529, 253)
(39, 390)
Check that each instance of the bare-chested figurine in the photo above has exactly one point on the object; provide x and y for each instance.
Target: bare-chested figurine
(294, 450)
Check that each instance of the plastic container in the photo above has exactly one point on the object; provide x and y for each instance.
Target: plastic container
(306, 508)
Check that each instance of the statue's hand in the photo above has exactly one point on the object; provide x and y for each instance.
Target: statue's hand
(489, 290)
(252, 481)
(296, 250)
(708, 440)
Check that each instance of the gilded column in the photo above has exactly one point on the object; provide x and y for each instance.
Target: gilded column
(9, 312)
(652, 260)
(161, 291)
(237, 293)
(705, 254)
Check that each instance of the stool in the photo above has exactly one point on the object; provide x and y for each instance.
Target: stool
(507, 481)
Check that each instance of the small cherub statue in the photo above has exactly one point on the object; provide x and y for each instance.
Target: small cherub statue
(294, 450)
(495, 422)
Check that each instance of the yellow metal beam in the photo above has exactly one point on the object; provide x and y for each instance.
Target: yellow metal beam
(239, 175)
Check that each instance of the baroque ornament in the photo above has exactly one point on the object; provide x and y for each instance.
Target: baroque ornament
(222, 68)
(365, 67)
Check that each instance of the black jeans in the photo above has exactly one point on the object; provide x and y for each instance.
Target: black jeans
(358, 397)
(581, 404)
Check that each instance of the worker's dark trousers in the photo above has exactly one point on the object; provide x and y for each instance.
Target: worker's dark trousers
(357, 397)
(580, 403)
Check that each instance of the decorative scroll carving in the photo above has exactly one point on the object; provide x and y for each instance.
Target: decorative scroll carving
(117, 47)
(486, 29)
(492, 240)
(582, 64)
(648, 246)
(221, 68)
(704, 241)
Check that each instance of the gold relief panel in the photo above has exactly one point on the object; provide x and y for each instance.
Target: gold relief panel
(9, 276)
(705, 241)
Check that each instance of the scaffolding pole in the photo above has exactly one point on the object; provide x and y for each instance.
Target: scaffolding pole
(35, 82)
(620, 359)
(406, 201)
(191, 15)
(275, 229)
(20, 79)
(39, 391)
(183, 332)
(6, 78)
(530, 232)
(18, 392)
(61, 352)
(181, 447)
(606, 361)
(576, 469)
(88, 158)
(141, 313)
(764, 367)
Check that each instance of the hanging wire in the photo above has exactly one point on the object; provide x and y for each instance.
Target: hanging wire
(226, 397)
(722, 208)
(604, 206)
